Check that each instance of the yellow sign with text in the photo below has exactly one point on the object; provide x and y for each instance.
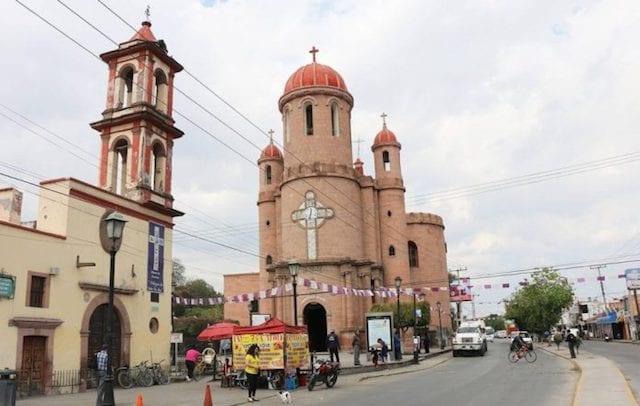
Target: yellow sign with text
(272, 350)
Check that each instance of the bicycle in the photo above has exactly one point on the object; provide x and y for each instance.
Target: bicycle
(139, 375)
(525, 351)
(160, 376)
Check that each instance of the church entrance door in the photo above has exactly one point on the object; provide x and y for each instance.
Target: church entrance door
(33, 359)
(315, 317)
(98, 334)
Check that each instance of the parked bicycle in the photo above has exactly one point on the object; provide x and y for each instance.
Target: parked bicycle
(139, 375)
(160, 375)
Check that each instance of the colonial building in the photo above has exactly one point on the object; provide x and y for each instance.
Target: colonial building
(318, 208)
(54, 271)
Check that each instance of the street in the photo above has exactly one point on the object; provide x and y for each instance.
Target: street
(440, 380)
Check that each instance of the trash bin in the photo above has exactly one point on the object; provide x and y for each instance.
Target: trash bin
(8, 387)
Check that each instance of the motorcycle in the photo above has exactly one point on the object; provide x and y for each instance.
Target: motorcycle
(607, 338)
(324, 371)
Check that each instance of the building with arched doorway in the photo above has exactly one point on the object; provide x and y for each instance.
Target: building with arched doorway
(54, 271)
(318, 208)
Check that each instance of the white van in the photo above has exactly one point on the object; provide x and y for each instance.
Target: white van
(470, 337)
(489, 332)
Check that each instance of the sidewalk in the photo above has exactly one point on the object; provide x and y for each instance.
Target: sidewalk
(600, 382)
(192, 393)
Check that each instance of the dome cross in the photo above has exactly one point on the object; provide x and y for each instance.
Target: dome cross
(271, 136)
(313, 52)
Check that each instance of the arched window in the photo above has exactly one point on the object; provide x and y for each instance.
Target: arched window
(267, 172)
(385, 161)
(308, 118)
(392, 251)
(125, 88)
(335, 120)
(268, 260)
(158, 166)
(119, 168)
(413, 254)
(159, 97)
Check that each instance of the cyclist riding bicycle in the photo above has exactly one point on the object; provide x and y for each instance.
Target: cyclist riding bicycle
(518, 344)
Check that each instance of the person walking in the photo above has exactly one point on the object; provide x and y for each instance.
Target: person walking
(356, 344)
(571, 339)
(190, 359)
(252, 368)
(397, 351)
(333, 344)
(102, 360)
(427, 342)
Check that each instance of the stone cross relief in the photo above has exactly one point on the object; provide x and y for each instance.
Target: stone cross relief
(310, 216)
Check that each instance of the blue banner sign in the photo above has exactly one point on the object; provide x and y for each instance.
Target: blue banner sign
(155, 259)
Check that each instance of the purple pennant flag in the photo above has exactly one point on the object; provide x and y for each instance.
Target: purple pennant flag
(601, 278)
(505, 285)
(487, 286)
(581, 280)
(435, 289)
(621, 276)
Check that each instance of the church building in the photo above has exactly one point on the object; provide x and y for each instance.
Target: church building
(339, 226)
(54, 271)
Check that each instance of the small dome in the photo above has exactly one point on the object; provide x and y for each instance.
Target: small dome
(271, 151)
(314, 75)
(144, 33)
(384, 136)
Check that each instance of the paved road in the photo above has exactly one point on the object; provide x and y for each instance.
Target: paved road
(626, 356)
(442, 380)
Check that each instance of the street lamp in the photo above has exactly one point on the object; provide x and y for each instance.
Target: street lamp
(294, 267)
(115, 226)
(416, 342)
(439, 307)
(398, 282)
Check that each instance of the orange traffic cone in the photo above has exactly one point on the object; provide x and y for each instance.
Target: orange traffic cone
(207, 396)
(139, 401)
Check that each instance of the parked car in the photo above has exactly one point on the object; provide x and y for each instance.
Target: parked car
(489, 332)
(500, 334)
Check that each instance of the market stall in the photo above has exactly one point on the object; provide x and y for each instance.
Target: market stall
(284, 349)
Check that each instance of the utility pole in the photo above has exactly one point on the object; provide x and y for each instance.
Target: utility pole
(459, 304)
(604, 298)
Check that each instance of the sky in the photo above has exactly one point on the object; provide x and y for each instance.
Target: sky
(519, 121)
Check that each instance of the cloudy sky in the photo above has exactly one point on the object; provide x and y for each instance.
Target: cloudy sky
(519, 121)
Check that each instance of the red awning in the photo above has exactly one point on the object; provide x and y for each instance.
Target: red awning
(271, 326)
(218, 331)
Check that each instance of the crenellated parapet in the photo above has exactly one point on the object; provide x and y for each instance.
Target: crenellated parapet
(425, 218)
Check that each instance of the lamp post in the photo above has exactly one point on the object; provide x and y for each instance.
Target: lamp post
(398, 282)
(115, 226)
(294, 267)
(439, 307)
(416, 342)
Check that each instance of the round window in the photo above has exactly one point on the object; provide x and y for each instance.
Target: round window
(153, 325)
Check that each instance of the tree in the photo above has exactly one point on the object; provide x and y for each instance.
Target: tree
(191, 320)
(539, 305)
(495, 321)
(177, 273)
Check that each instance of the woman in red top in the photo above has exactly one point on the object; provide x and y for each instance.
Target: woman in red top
(190, 358)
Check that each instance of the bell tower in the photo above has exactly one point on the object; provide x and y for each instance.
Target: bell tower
(137, 127)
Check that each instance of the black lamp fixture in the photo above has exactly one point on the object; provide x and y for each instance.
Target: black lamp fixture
(294, 267)
(398, 282)
(439, 307)
(115, 223)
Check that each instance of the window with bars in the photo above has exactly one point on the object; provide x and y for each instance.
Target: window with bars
(37, 291)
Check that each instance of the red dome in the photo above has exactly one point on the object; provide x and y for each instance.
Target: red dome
(315, 75)
(385, 135)
(271, 151)
(144, 33)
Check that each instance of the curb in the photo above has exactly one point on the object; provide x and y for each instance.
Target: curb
(576, 389)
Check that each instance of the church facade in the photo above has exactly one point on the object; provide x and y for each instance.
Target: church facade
(54, 271)
(342, 227)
